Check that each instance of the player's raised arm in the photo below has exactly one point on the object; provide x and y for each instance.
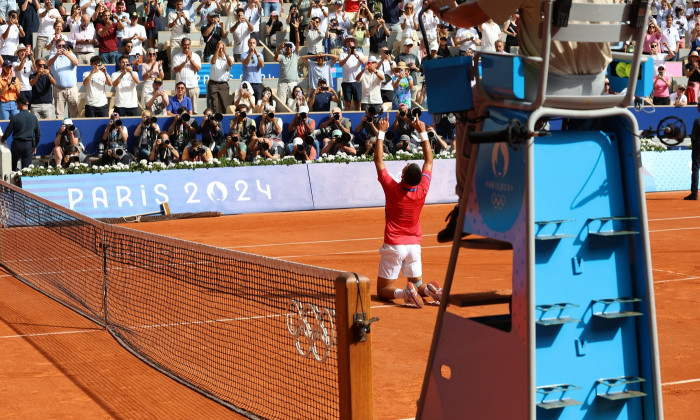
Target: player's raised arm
(425, 143)
(382, 125)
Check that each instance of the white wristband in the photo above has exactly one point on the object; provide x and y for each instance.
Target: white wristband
(380, 135)
(423, 136)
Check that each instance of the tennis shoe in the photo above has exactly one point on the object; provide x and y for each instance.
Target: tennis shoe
(411, 296)
(434, 291)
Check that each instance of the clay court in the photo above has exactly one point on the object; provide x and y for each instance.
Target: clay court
(57, 364)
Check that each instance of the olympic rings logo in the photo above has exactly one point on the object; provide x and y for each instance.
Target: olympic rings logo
(312, 328)
(498, 201)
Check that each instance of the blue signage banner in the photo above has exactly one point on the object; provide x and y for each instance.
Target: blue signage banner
(227, 190)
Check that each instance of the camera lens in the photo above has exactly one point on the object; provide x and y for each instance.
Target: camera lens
(431, 134)
(71, 128)
(242, 114)
(117, 123)
(336, 116)
(219, 116)
(154, 120)
(302, 115)
(270, 114)
(185, 117)
(251, 129)
(402, 113)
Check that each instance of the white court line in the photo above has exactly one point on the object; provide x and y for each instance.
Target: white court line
(676, 280)
(51, 333)
(688, 381)
(674, 218)
(353, 252)
(671, 230)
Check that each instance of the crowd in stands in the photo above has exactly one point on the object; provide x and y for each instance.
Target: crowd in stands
(377, 43)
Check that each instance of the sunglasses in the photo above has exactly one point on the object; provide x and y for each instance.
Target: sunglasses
(60, 46)
(151, 53)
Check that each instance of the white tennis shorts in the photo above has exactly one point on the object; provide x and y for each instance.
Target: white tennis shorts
(399, 258)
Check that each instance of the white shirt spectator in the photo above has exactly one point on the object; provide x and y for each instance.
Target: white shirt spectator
(343, 20)
(138, 30)
(23, 74)
(77, 33)
(53, 50)
(125, 95)
(682, 100)
(318, 12)
(317, 72)
(124, 18)
(187, 75)
(352, 67)
(408, 31)
(46, 24)
(90, 9)
(9, 45)
(490, 33)
(671, 37)
(470, 35)
(96, 90)
(385, 68)
(220, 71)
(659, 60)
(240, 38)
(371, 88)
(314, 40)
(253, 16)
(177, 32)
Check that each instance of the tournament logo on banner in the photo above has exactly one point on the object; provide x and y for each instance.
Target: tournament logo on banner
(500, 185)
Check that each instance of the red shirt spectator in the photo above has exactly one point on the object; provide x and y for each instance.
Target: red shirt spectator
(107, 41)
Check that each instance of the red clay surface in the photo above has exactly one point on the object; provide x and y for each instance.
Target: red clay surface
(56, 364)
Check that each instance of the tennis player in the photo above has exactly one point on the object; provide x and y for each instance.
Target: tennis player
(402, 230)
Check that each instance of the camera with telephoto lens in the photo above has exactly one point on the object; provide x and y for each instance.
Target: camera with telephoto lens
(119, 152)
(302, 116)
(153, 120)
(70, 127)
(74, 159)
(271, 115)
(372, 111)
(402, 113)
(309, 140)
(164, 143)
(263, 146)
(185, 117)
(416, 112)
(300, 147)
(336, 116)
(242, 114)
(198, 151)
(389, 136)
(431, 135)
(116, 123)
(251, 129)
(345, 138)
(216, 117)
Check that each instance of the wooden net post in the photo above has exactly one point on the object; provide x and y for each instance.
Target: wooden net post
(354, 346)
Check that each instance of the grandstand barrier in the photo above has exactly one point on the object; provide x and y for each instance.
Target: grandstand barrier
(254, 189)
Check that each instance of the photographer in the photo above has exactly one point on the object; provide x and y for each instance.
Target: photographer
(403, 126)
(72, 155)
(301, 127)
(302, 150)
(445, 126)
(67, 135)
(241, 126)
(163, 151)
(233, 148)
(366, 131)
(212, 134)
(662, 83)
(339, 142)
(146, 134)
(322, 96)
(371, 80)
(197, 152)
(182, 130)
(335, 122)
(270, 145)
(114, 142)
(436, 141)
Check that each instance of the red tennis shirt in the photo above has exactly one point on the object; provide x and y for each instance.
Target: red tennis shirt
(402, 211)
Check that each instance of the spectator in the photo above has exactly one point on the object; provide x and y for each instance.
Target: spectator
(322, 96)
(371, 80)
(289, 73)
(136, 34)
(48, 15)
(359, 32)
(163, 151)
(270, 7)
(403, 85)
(386, 65)
(692, 72)
(213, 33)
(179, 100)
(500, 46)
(178, 20)
(319, 11)
(242, 127)
(412, 62)
(245, 96)
(670, 37)
(351, 62)
(270, 145)
(319, 67)
(122, 17)
(151, 69)
(335, 37)
(391, 13)
(272, 26)
(114, 139)
(183, 130)
(197, 152)
(252, 68)
(298, 99)
(212, 134)
(29, 19)
(25, 132)
(510, 27)
(67, 136)
(336, 122)
(127, 50)
(63, 67)
(678, 97)
(352, 7)
(157, 101)
(267, 102)
(490, 32)
(342, 21)
(338, 143)
(89, 7)
(23, 70)
(301, 150)
(205, 9)
(220, 73)
(253, 12)
(465, 39)
(443, 50)
(125, 81)
(378, 34)
(445, 126)
(443, 31)
(302, 127)
(107, 37)
(42, 91)
(11, 34)
(82, 36)
(146, 134)
(240, 31)
(58, 36)
(7, 6)
(314, 36)
(9, 91)
(366, 131)
(408, 24)
(430, 23)
(294, 23)
(364, 14)
(304, 8)
(95, 82)
(186, 65)
(153, 10)
(662, 83)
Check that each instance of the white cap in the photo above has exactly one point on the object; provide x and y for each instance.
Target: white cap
(68, 121)
(297, 141)
(408, 41)
(303, 108)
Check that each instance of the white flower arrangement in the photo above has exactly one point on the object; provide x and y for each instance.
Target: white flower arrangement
(647, 145)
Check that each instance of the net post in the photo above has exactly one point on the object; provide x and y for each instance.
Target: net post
(354, 346)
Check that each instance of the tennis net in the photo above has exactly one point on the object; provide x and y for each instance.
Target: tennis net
(255, 334)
